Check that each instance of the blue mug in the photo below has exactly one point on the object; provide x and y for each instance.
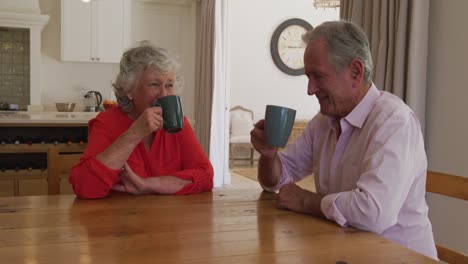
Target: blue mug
(279, 122)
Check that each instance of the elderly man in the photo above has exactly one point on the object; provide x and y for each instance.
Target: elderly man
(365, 147)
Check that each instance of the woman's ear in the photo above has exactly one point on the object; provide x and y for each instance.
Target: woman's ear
(130, 96)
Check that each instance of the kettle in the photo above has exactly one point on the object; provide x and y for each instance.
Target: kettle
(97, 97)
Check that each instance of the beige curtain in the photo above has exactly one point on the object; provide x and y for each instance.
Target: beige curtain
(204, 73)
(398, 35)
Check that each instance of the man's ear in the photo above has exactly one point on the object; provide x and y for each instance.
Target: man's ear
(357, 70)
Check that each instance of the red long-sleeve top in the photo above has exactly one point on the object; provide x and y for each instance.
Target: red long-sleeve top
(178, 155)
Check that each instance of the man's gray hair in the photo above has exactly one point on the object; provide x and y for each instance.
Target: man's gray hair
(345, 41)
(135, 61)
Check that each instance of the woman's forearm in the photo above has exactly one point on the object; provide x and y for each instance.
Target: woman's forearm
(166, 184)
(118, 152)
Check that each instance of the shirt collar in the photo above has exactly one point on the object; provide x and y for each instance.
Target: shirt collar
(359, 114)
(362, 110)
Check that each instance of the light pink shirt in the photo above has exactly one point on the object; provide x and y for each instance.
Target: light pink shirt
(374, 174)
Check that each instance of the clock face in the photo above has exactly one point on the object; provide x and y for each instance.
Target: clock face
(287, 47)
(291, 47)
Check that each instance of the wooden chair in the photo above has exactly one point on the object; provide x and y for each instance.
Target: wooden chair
(59, 166)
(452, 186)
(239, 132)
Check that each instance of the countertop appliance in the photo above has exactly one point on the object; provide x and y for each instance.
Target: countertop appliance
(9, 107)
(97, 100)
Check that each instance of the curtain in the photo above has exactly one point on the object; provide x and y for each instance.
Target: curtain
(219, 155)
(398, 36)
(204, 73)
(210, 108)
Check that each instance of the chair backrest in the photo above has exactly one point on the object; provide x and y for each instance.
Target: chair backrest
(241, 121)
(452, 186)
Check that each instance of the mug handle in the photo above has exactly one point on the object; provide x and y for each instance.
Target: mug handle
(159, 105)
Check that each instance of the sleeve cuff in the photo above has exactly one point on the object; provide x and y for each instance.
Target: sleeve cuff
(330, 210)
(269, 189)
(284, 177)
(281, 182)
(112, 175)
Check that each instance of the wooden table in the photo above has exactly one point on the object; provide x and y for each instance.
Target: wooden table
(226, 226)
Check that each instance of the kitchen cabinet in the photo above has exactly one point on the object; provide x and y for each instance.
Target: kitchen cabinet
(95, 31)
(7, 187)
(38, 151)
(36, 159)
(27, 187)
(50, 178)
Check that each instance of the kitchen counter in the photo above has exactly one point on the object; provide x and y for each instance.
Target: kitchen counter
(38, 150)
(23, 118)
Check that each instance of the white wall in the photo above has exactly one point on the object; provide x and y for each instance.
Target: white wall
(446, 123)
(69, 81)
(254, 80)
(171, 27)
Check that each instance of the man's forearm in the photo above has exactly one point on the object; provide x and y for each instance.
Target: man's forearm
(269, 170)
(312, 204)
(294, 198)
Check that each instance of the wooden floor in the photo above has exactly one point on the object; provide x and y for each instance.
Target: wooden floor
(245, 177)
(241, 182)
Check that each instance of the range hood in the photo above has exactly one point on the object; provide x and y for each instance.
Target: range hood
(27, 14)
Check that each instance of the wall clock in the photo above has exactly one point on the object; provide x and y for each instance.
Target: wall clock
(287, 47)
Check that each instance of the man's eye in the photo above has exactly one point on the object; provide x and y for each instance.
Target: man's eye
(170, 85)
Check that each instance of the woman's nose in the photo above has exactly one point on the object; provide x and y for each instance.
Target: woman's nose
(164, 93)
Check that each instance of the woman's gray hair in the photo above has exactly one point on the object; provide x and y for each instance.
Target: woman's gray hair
(345, 41)
(135, 61)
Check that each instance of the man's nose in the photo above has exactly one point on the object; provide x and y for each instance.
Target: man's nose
(311, 88)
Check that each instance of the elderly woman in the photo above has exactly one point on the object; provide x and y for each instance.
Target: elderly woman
(128, 151)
